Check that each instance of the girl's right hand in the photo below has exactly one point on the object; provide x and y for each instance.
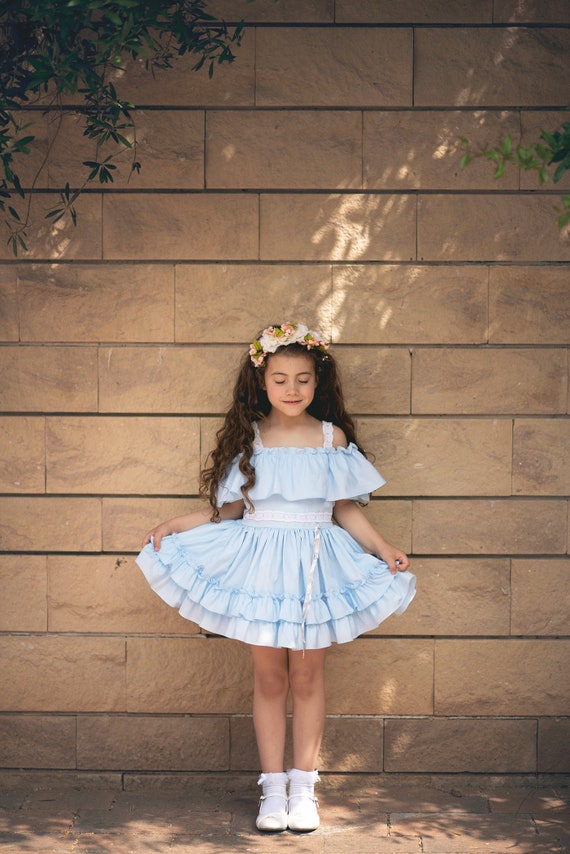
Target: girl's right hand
(162, 530)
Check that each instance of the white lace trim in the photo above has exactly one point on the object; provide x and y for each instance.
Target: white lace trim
(328, 431)
(257, 443)
(309, 519)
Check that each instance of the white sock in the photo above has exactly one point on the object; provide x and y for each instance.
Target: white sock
(302, 782)
(274, 789)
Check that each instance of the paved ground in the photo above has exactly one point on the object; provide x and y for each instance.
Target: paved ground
(214, 814)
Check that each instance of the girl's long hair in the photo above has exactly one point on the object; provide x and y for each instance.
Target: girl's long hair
(250, 403)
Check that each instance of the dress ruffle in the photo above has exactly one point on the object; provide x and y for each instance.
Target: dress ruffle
(248, 579)
(305, 473)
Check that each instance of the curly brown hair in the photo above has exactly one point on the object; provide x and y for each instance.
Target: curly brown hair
(250, 403)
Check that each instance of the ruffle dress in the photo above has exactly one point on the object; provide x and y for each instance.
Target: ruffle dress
(284, 575)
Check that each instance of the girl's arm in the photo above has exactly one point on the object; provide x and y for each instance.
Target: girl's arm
(192, 520)
(350, 517)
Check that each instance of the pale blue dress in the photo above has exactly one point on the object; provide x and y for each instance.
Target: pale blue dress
(284, 575)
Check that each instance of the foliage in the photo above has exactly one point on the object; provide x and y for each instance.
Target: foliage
(66, 49)
(552, 151)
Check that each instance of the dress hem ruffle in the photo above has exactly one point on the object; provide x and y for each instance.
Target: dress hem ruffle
(336, 616)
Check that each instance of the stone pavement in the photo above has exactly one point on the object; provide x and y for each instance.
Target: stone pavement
(214, 814)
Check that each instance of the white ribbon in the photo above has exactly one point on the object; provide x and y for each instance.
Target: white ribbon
(309, 588)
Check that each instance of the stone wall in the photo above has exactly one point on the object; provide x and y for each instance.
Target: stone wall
(317, 178)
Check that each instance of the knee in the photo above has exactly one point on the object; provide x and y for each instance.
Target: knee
(305, 683)
(271, 684)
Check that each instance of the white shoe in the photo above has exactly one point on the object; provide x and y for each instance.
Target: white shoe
(273, 802)
(303, 805)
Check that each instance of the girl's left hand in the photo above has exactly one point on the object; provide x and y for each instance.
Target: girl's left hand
(396, 559)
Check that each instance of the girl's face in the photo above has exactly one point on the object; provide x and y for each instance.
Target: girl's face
(290, 382)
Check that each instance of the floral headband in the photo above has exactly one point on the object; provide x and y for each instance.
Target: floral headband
(280, 336)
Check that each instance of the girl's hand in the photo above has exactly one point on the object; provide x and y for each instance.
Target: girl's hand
(396, 559)
(162, 530)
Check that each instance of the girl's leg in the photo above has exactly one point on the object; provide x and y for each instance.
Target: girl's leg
(270, 689)
(307, 681)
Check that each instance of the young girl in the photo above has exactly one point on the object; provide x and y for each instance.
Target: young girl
(283, 558)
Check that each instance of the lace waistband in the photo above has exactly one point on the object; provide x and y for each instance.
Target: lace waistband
(303, 520)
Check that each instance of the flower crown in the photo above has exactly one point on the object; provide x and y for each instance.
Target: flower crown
(280, 336)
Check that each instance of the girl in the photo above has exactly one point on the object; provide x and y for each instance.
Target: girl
(283, 558)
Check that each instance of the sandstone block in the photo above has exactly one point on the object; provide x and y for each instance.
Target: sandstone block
(413, 12)
(284, 150)
(545, 12)
(243, 746)
(107, 594)
(501, 677)
(170, 148)
(127, 520)
(541, 597)
(122, 455)
(456, 597)
(192, 227)
(375, 382)
(266, 292)
(50, 524)
(380, 677)
(9, 319)
(62, 240)
(460, 746)
(393, 519)
(490, 67)
(409, 149)
(428, 456)
(22, 466)
(44, 379)
(340, 67)
(490, 228)
(166, 379)
(81, 303)
(232, 84)
(541, 464)
(496, 526)
(391, 304)
(553, 745)
(158, 743)
(529, 305)
(475, 382)
(23, 606)
(37, 741)
(352, 227)
(266, 11)
(188, 675)
(351, 745)
(62, 674)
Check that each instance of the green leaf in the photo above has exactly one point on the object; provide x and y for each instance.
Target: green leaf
(500, 170)
(507, 145)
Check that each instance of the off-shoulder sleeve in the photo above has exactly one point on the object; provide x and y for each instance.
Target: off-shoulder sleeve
(352, 476)
(230, 487)
(296, 474)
